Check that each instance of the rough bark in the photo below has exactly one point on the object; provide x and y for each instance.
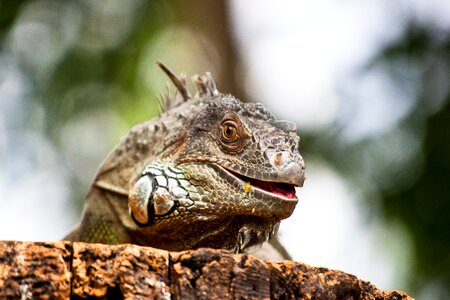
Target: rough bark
(65, 270)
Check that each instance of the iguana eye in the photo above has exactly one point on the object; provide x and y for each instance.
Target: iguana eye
(231, 134)
(229, 131)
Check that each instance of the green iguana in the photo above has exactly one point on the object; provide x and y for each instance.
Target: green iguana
(210, 171)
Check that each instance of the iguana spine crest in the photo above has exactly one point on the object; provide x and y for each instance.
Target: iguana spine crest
(206, 86)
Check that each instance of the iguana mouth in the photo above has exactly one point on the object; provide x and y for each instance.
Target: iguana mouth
(280, 189)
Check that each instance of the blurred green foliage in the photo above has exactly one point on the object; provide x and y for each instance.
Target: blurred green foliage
(88, 77)
(417, 195)
(424, 206)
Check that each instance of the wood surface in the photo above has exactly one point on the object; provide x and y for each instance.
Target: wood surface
(66, 270)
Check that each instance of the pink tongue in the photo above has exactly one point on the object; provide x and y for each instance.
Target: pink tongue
(282, 189)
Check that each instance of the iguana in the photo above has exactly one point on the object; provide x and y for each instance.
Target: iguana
(209, 171)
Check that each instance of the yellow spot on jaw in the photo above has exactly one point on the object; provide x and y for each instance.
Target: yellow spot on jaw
(247, 187)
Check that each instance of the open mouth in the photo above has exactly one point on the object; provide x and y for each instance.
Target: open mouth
(282, 189)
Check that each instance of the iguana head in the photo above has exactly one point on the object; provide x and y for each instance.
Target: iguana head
(225, 181)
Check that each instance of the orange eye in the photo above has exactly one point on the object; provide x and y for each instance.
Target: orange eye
(229, 132)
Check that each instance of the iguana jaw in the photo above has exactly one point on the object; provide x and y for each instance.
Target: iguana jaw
(281, 189)
(274, 189)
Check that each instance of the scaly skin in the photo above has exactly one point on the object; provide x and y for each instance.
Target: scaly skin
(210, 171)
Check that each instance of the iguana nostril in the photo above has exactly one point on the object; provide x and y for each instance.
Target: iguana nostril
(278, 159)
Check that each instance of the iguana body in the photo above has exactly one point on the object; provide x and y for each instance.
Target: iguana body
(210, 171)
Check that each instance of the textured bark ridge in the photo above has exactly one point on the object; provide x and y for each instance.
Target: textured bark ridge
(65, 270)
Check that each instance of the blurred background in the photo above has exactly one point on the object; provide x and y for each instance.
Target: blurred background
(367, 82)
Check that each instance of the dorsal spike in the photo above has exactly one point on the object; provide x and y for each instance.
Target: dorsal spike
(212, 85)
(201, 85)
(180, 83)
(164, 100)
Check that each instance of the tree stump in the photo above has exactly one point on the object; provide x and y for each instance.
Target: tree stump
(66, 270)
